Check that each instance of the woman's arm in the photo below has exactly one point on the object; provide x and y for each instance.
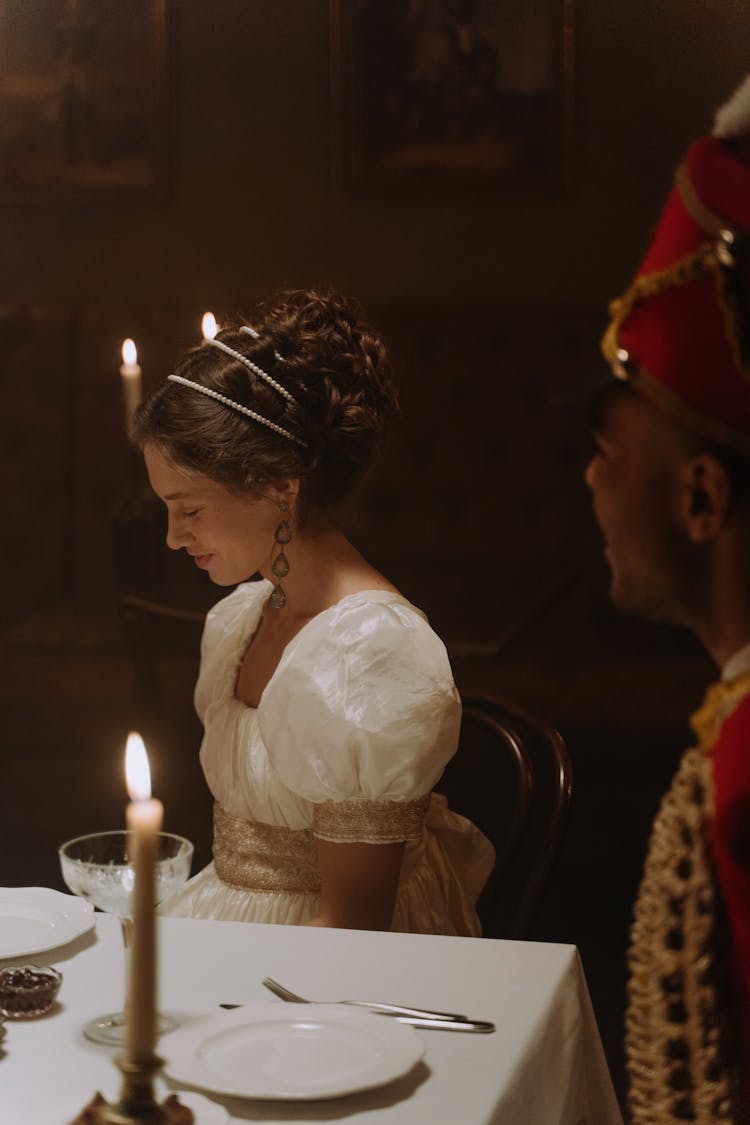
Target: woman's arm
(359, 883)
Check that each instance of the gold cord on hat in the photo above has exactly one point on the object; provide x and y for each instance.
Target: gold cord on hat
(713, 258)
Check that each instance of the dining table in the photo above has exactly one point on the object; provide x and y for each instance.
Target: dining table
(542, 1065)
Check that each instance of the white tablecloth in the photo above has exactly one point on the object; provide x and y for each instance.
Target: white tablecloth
(544, 1065)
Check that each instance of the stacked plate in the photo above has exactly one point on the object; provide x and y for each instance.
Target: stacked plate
(35, 919)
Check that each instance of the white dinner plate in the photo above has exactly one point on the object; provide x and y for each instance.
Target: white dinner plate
(290, 1051)
(34, 919)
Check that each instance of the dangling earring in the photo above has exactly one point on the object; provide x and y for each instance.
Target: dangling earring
(280, 565)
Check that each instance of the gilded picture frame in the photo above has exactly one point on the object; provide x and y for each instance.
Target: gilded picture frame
(84, 92)
(440, 94)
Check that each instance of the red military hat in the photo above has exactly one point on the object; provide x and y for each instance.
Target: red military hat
(681, 332)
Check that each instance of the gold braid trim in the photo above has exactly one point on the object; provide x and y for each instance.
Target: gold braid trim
(721, 699)
(370, 822)
(680, 1060)
(714, 225)
(674, 1022)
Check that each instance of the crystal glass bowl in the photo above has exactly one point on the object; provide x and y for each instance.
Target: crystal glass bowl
(99, 868)
(27, 990)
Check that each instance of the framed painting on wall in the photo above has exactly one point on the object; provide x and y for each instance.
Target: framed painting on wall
(83, 100)
(435, 94)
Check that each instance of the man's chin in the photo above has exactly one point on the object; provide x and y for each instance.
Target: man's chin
(635, 601)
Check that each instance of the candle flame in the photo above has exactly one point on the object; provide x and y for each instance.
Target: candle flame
(209, 327)
(137, 773)
(129, 352)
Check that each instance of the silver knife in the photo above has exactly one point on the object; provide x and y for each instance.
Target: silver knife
(452, 1023)
(481, 1026)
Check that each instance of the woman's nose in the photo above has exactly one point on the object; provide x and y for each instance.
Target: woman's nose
(178, 534)
(590, 473)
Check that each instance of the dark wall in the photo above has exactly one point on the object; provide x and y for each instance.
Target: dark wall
(492, 300)
(257, 199)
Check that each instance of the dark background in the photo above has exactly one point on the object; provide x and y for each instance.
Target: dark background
(492, 302)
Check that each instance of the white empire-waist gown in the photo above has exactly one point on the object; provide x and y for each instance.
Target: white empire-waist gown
(352, 731)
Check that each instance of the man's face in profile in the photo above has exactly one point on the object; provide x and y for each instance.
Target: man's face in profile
(636, 480)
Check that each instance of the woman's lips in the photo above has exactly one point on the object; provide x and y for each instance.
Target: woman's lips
(202, 560)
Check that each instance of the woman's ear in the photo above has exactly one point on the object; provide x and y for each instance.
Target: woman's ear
(285, 492)
(708, 495)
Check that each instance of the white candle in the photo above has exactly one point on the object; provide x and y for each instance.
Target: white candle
(144, 819)
(130, 374)
(209, 327)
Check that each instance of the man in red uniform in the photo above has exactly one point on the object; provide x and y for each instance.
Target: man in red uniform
(671, 491)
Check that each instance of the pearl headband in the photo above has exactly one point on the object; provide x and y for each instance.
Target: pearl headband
(248, 363)
(235, 405)
(246, 330)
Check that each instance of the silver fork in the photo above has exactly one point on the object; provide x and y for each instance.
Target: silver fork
(385, 1009)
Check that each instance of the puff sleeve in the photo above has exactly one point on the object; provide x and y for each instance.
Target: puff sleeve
(362, 717)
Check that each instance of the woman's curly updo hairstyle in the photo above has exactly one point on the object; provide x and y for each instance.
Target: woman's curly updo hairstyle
(321, 350)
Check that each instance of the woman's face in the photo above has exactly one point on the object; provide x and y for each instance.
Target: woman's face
(228, 534)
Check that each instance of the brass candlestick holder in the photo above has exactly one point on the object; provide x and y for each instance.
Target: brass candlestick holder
(137, 1104)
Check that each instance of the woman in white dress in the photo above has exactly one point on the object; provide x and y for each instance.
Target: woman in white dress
(327, 701)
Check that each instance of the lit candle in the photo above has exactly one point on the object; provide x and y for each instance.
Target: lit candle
(144, 820)
(209, 327)
(130, 373)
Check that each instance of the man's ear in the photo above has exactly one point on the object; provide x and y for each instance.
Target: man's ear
(707, 495)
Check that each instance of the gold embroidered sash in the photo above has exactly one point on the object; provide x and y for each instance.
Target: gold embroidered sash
(267, 857)
(264, 857)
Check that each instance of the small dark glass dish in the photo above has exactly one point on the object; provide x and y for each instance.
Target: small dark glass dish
(27, 990)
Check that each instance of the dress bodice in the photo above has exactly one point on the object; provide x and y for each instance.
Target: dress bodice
(349, 737)
(361, 706)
